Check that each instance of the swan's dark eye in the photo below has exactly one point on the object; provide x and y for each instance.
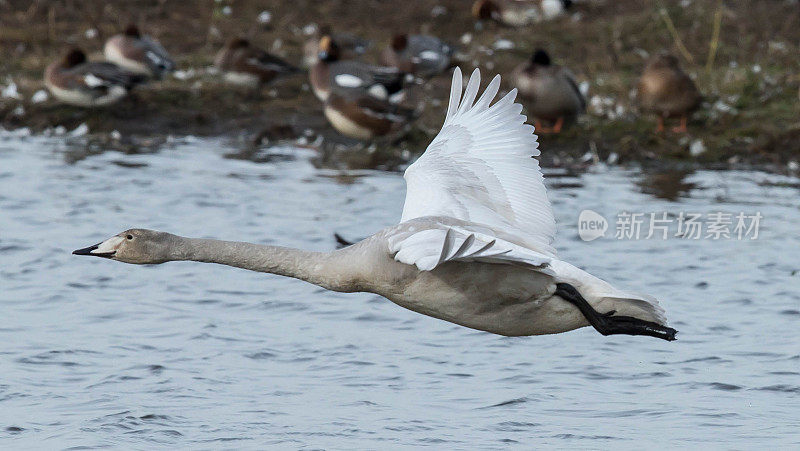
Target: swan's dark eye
(130, 237)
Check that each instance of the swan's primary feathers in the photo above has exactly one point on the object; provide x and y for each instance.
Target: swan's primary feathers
(479, 169)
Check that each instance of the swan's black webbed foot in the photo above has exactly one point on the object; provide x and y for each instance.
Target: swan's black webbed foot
(607, 324)
(629, 325)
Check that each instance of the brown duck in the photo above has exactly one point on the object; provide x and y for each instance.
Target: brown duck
(358, 114)
(246, 65)
(665, 90)
(548, 91)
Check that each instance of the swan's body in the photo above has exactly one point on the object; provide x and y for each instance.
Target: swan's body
(473, 246)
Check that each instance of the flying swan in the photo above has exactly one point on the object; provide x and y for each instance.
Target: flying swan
(473, 246)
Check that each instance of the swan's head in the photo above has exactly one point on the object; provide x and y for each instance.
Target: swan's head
(138, 246)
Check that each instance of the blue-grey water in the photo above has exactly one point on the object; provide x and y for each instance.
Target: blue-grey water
(97, 353)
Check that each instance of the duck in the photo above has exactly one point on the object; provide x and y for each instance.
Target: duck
(332, 73)
(550, 92)
(421, 55)
(358, 114)
(519, 13)
(665, 90)
(75, 81)
(473, 246)
(246, 65)
(350, 45)
(138, 54)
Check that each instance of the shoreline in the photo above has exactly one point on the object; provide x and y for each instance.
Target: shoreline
(81, 143)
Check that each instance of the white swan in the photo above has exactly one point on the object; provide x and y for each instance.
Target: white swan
(473, 247)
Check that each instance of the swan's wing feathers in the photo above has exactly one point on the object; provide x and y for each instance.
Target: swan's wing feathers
(480, 169)
(434, 244)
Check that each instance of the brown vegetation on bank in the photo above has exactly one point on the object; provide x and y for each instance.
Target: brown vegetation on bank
(743, 56)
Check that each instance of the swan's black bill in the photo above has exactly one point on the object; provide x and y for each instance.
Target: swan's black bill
(607, 323)
(88, 251)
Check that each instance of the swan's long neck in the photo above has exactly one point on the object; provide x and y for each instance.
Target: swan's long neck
(333, 270)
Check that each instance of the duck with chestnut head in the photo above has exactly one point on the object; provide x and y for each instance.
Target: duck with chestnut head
(246, 65)
(332, 73)
(421, 55)
(138, 53)
(350, 45)
(76, 81)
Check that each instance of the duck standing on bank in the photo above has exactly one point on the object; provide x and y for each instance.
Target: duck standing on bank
(667, 91)
(244, 64)
(421, 55)
(519, 13)
(473, 246)
(549, 92)
(358, 114)
(332, 73)
(138, 54)
(75, 81)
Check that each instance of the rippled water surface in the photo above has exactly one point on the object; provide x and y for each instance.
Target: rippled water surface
(98, 353)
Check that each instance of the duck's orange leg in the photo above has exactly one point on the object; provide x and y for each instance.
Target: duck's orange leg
(540, 128)
(682, 128)
(559, 123)
(660, 126)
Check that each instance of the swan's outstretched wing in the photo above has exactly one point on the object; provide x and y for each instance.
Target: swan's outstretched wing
(480, 169)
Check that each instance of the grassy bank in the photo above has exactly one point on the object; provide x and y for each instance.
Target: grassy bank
(743, 56)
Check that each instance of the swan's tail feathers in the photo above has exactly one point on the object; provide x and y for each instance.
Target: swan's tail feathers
(639, 305)
(637, 314)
